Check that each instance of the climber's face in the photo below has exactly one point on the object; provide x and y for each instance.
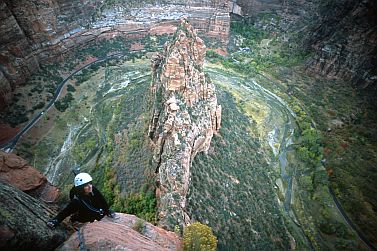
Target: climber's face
(88, 188)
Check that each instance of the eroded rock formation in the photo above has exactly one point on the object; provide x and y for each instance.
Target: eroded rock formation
(185, 118)
(15, 171)
(23, 218)
(341, 34)
(23, 222)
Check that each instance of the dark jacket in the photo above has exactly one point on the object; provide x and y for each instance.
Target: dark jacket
(84, 208)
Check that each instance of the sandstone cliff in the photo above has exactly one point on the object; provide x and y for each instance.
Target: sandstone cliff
(23, 222)
(344, 38)
(185, 117)
(341, 34)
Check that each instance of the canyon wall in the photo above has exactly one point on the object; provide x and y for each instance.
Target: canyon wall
(344, 39)
(254, 7)
(35, 32)
(341, 34)
(184, 119)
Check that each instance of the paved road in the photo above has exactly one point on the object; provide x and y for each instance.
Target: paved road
(349, 222)
(9, 146)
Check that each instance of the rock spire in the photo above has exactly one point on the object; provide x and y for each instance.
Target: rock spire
(184, 119)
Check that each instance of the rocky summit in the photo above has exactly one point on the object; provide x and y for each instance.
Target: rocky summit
(185, 117)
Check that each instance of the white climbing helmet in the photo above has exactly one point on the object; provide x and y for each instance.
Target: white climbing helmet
(82, 178)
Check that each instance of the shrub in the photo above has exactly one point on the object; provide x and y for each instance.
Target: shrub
(70, 88)
(142, 205)
(64, 103)
(213, 54)
(199, 237)
(139, 226)
(40, 105)
(177, 230)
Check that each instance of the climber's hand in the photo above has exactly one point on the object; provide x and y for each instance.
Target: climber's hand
(52, 223)
(110, 213)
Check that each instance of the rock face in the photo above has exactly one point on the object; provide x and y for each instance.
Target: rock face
(254, 7)
(15, 171)
(23, 211)
(341, 33)
(23, 218)
(35, 32)
(119, 234)
(185, 117)
(23, 222)
(344, 38)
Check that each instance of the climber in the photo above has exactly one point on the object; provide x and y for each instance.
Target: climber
(87, 203)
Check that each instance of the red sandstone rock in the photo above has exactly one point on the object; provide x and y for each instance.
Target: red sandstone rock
(185, 118)
(15, 171)
(163, 29)
(118, 234)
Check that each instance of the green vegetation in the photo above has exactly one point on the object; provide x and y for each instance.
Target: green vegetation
(17, 117)
(84, 75)
(40, 105)
(63, 104)
(143, 205)
(83, 147)
(199, 237)
(264, 51)
(124, 165)
(70, 88)
(259, 50)
(231, 189)
(139, 226)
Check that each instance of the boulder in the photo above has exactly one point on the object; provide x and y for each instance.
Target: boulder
(23, 222)
(15, 171)
(118, 234)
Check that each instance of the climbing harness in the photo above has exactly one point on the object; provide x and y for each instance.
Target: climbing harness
(93, 209)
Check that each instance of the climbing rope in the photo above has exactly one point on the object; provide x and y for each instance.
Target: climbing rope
(81, 240)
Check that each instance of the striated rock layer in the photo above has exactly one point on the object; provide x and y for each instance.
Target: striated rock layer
(344, 38)
(24, 212)
(15, 171)
(23, 222)
(341, 34)
(122, 233)
(185, 118)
